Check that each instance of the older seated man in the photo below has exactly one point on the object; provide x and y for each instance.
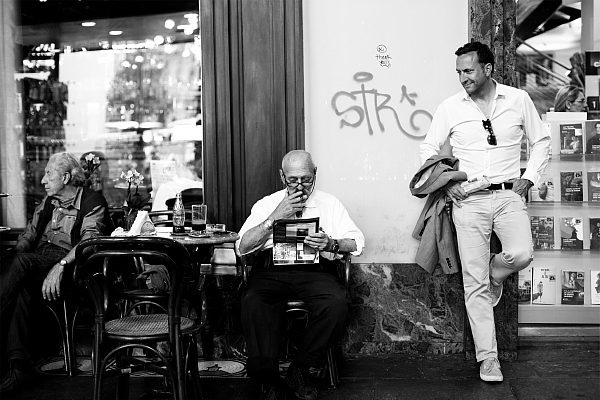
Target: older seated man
(270, 285)
(68, 214)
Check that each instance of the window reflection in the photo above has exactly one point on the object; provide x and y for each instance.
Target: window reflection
(133, 100)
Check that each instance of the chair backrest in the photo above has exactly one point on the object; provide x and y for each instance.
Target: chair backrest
(92, 253)
(188, 197)
(165, 217)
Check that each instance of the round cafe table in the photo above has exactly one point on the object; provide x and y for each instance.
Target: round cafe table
(201, 250)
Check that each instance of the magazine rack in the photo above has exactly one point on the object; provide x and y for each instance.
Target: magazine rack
(564, 208)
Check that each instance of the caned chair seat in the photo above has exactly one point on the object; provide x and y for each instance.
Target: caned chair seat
(137, 327)
(99, 260)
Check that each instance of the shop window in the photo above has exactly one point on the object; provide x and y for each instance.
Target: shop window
(119, 79)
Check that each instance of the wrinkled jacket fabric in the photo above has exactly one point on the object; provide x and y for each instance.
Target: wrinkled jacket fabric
(435, 228)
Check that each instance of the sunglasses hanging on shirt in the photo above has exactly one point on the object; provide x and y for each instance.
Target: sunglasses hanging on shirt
(491, 139)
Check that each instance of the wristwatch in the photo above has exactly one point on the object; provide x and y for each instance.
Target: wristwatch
(63, 262)
(268, 224)
(336, 247)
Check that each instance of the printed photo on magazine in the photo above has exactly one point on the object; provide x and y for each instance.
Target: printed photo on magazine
(288, 241)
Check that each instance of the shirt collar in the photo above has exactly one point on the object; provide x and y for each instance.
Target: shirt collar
(499, 91)
(75, 201)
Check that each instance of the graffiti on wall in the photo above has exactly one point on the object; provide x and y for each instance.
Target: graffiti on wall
(382, 57)
(370, 104)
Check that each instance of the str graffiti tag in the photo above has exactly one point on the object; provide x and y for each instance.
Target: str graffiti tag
(380, 103)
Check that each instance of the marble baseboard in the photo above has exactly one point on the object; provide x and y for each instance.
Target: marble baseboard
(394, 308)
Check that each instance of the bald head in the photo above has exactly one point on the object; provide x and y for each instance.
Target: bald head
(297, 159)
(297, 166)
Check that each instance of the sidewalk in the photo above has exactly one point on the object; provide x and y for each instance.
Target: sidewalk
(547, 368)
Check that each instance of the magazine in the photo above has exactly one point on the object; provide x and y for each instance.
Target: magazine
(571, 186)
(594, 233)
(592, 137)
(543, 286)
(593, 185)
(595, 286)
(542, 232)
(288, 241)
(571, 139)
(571, 233)
(544, 190)
(572, 287)
(525, 286)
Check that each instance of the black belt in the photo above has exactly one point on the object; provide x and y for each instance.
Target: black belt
(501, 186)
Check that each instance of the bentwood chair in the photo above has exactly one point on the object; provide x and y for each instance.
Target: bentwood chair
(297, 311)
(180, 366)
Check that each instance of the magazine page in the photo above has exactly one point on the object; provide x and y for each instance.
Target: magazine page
(592, 137)
(544, 190)
(595, 286)
(543, 286)
(542, 232)
(288, 241)
(594, 233)
(525, 286)
(572, 287)
(571, 186)
(571, 140)
(593, 186)
(571, 233)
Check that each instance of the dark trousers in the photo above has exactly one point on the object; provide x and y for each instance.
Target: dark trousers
(263, 317)
(21, 278)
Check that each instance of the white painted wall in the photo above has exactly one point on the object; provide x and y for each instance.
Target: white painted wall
(367, 158)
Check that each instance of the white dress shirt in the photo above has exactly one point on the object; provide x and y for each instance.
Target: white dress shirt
(333, 217)
(513, 115)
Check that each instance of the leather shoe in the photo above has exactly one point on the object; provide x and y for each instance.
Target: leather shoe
(13, 380)
(298, 378)
(274, 392)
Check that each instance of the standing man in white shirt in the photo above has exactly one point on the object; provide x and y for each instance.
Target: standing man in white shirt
(271, 286)
(485, 123)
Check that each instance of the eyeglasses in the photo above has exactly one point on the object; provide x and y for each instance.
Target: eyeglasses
(303, 182)
(491, 139)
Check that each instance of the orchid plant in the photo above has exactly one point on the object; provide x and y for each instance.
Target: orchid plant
(90, 167)
(134, 201)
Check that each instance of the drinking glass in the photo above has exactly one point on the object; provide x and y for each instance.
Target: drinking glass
(199, 218)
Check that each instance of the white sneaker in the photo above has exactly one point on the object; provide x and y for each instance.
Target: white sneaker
(490, 370)
(495, 292)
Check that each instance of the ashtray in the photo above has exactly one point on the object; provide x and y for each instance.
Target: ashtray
(221, 232)
(198, 234)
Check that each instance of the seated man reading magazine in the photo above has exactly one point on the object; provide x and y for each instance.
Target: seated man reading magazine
(272, 284)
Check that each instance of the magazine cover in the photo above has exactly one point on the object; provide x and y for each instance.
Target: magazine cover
(571, 186)
(525, 286)
(543, 289)
(542, 232)
(594, 233)
(543, 191)
(572, 287)
(592, 137)
(571, 138)
(571, 233)
(595, 286)
(288, 241)
(593, 185)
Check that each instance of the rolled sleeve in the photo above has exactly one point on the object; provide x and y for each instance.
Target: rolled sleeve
(539, 139)
(437, 134)
(343, 227)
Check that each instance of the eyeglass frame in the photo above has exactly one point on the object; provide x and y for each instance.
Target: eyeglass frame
(491, 139)
(294, 185)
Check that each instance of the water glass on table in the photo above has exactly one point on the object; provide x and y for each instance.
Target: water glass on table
(199, 218)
